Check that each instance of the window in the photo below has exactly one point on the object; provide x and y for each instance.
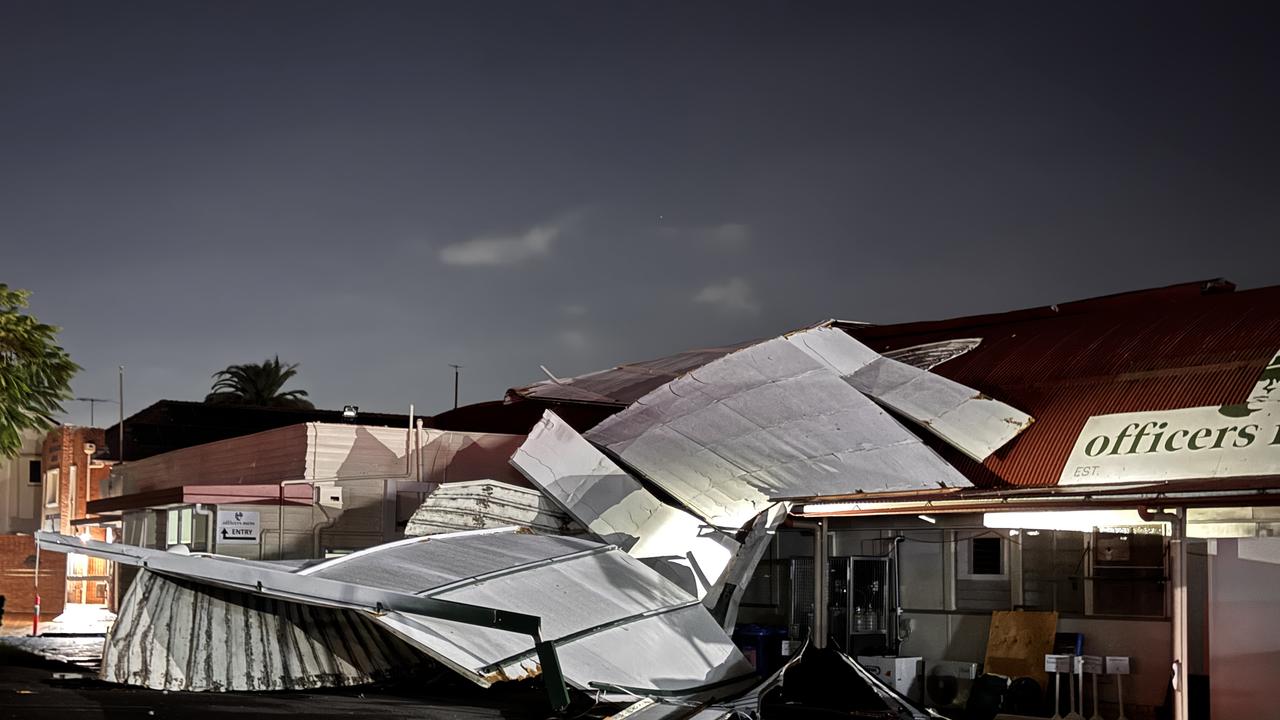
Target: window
(51, 479)
(1094, 574)
(1128, 574)
(985, 557)
(981, 557)
(178, 527)
(982, 575)
(33, 472)
(1054, 565)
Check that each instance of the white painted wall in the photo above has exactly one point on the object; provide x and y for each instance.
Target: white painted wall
(1244, 627)
(19, 497)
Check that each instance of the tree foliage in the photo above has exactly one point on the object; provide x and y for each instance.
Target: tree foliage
(35, 372)
(258, 384)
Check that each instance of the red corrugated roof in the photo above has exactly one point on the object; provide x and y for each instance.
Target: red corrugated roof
(1183, 346)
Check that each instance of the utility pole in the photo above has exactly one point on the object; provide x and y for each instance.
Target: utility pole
(120, 452)
(456, 368)
(92, 401)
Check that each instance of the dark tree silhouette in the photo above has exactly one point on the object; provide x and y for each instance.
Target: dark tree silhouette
(258, 384)
(35, 373)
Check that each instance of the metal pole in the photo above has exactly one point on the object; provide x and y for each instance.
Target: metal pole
(820, 583)
(35, 618)
(455, 384)
(120, 452)
(1178, 574)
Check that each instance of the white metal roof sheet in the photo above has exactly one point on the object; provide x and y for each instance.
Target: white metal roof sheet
(767, 423)
(963, 417)
(616, 508)
(613, 620)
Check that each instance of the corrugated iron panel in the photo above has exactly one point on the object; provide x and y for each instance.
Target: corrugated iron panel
(617, 509)
(481, 504)
(624, 384)
(175, 635)
(767, 423)
(612, 620)
(975, 424)
(1156, 350)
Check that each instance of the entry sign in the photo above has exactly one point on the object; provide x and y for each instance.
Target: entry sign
(238, 526)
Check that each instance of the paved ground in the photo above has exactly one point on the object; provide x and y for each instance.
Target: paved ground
(36, 687)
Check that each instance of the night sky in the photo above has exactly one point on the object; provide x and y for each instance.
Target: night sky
(375, 190)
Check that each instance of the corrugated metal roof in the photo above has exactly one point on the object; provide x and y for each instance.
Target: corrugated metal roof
(767, 423)
(618, 510)
(480, 504)
(159, 641)
(613, 621)
(624, 384)
(967, 420)
(1189, 345)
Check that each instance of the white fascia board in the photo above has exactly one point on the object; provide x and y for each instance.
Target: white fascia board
(616, 508)
(961, 416)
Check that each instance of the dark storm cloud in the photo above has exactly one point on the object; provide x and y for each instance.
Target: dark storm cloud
(376, 190)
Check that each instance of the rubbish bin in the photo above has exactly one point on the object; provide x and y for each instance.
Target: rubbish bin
(762, 645)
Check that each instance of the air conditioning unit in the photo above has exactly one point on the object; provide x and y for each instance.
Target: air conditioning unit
(947, 683)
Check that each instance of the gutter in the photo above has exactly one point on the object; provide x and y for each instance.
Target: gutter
(1264, 497)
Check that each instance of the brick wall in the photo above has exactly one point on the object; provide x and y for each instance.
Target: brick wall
(63, 449)
(17, 573)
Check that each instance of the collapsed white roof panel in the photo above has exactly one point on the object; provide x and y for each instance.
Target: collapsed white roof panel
(480, 504)
(965, 418)
(595, 602)
(616, 508)
(766, 423)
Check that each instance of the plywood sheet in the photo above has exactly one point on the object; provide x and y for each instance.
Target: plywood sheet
(1017, 643)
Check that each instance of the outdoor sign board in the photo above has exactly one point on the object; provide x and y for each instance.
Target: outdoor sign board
(1240, 440)
(238, 526)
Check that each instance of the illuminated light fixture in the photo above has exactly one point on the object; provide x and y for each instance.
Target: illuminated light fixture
(349, 412)
(832, 507)
(929, 519)
(1072, 520)
(1033, 533)
(1013, 533)
(835, 508)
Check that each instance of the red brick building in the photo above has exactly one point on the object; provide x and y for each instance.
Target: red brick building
(73, 477)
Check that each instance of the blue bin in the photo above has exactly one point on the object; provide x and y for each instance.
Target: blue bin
(762, 645)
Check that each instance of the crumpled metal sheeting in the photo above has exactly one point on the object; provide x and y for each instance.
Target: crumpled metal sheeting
(593, 601)
(767, 423)
(480, 504)
(748, 557)
(927, 356)
(616, 508)
(971, 422)
(419, 565)
(175, 635)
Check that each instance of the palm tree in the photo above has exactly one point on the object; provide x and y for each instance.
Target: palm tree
(258, 384)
